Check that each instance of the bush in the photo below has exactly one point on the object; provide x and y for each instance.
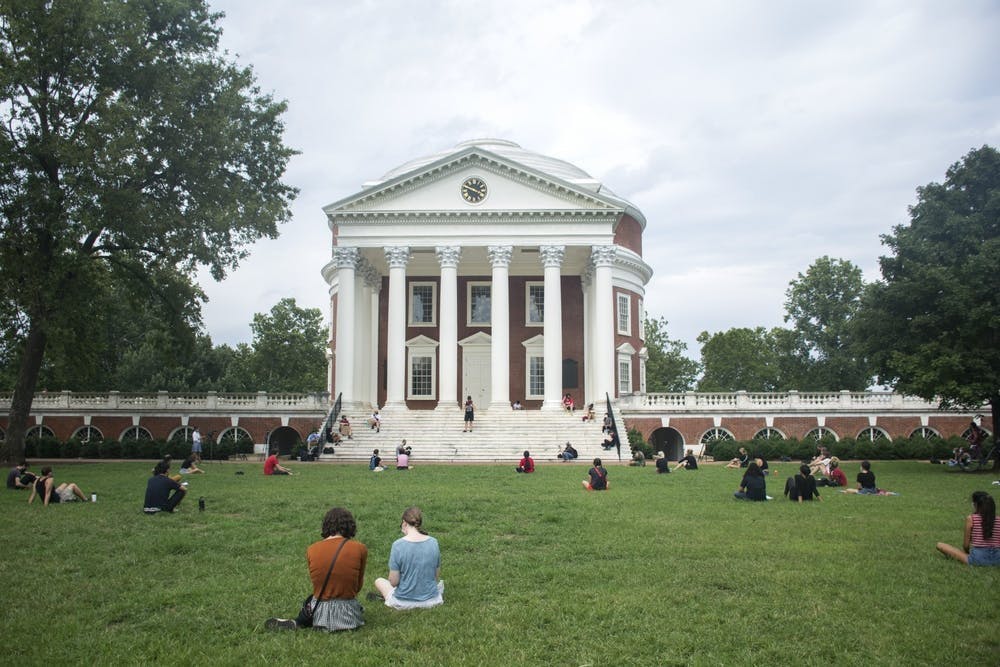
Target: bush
(90, 450)
(722, 450)
(71, 448)
(130, 448)
(635, 441)
(110, 449)
(151, 449)
(47, 448)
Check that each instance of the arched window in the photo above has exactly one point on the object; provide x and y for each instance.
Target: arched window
(235, 435)
(88, 434)
(769, 434)
(181, 435)
(967, 433)
(136, 433)
(715, 435)
(873, 434)
(925, 432)
(40, 431)
(821, 432)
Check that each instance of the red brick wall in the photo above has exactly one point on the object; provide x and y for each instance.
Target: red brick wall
(628, 234)
(795, 427)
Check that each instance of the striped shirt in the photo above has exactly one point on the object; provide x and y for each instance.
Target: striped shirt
(978, 540)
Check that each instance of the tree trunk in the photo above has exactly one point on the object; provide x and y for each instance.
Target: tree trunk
(24, 392)
(995, 413)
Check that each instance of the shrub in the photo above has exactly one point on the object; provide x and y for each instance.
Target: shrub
(723, 450)
(90, 450)
(635, 441)
(151, 449)
(71, 448)
(47, 448)
(130, 448)
(110, 449)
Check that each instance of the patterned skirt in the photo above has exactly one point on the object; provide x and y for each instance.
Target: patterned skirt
(338, 615)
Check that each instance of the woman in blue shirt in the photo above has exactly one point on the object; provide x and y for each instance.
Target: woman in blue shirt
(414, 567)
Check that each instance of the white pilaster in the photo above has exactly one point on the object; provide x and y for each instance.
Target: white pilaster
(373, 283)
(603, 347)
(397, 257)
(500, 326)
(448, 257)
(345, 260)
(552, 259)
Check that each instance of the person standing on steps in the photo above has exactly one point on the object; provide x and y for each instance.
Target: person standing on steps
(470, 414)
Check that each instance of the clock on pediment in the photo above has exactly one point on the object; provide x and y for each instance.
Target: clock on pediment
(474, 190)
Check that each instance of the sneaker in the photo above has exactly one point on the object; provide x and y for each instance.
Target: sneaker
(374, 597)
(280, 624)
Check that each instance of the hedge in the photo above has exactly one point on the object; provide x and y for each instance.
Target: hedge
(845, 448)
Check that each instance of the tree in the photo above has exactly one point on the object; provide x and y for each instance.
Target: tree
(131, 150)
(289, 349)
(667, 368)
(932, 324)
(822, 305)
(739, 359)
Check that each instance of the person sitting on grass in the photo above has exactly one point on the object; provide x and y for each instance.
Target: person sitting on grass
(688, 462)
(45, 488)
(866, 483)
(662, 464)
(742, 460)
(981, 540)
(189, 467)
(414, 568)
(638, 459)
(802, 486)
(20, 477)
(272, 467)
(163, 494)
(598, 478)
(527, 464)
(337, 571)
(375, 462)
(835, 477)
(753, 486)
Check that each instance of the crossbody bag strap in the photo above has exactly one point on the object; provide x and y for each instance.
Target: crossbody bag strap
(332, 563)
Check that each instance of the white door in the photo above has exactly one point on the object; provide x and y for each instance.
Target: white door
(476, 376)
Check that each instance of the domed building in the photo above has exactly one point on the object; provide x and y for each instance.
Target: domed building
(490, 271)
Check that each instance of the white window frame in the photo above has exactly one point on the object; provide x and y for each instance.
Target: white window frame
(643, 356)
(534, 348)
(139, 431)
(642, 323)
(527, 303)
(468, 303)
(419, 348)
(624, 362)
(434, 303)
(623, 321)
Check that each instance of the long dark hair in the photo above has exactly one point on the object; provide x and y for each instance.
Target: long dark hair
(753, 470)
(986, 507)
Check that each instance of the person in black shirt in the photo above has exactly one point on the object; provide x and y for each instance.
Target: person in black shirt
(163, 494)
(754, 484)
(598, 478)
(802, 486)
(662, 465)
(689, 462)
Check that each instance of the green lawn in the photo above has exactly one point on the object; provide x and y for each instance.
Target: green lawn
(663, 569)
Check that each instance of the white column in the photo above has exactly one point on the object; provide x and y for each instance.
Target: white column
(373, 281)
(586, 286)
(345, 260)
(448, 257)
(397, 257)
(552, 259)
(603, 345)
(500, 326)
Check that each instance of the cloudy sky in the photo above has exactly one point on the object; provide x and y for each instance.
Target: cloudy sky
(754, 136)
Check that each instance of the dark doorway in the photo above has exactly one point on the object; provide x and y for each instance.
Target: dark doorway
(669, 441)
(285, 438)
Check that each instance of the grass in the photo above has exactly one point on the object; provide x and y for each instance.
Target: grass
(661, 570)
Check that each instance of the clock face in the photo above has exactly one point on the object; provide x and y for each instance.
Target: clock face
(474, 190)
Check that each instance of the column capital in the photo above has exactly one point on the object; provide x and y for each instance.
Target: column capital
(345, 257)
(603, 255)
(448, 255)
(500, 255)
(552, 255)
(397, 256)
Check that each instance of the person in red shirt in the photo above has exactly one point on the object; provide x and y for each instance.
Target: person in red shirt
(527, 464)
(272, 467)
(836, 477)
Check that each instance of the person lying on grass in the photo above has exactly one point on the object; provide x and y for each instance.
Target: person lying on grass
(866, 483)
(337, 571)
(802, 486)
(753, 485)
(598, 478)
(45, 487)
(414, 568)
(20, 477)
(981, 540)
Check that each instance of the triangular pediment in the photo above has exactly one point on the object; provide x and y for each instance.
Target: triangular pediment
(436, 188)
(478, 338)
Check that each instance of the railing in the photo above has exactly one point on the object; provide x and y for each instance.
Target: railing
(691, 401)
(163, 401)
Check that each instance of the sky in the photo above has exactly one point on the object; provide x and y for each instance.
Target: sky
(755, 136)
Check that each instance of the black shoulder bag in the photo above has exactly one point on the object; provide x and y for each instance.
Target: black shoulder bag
(306, 615)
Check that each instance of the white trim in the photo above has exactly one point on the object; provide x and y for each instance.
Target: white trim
(534, 347)
(468, 302)
(527, 303)
(434, 303)
(642, 320)
(421, 347)
(623, 359)
(627, 298)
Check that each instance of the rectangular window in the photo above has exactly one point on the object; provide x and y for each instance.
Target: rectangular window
(479, 304)
(536, 376)
(421, 377)
(535, 302)
(422, 304)
(624, 312)
(624, 376)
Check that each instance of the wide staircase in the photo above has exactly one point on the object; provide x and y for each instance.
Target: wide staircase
(499, 435)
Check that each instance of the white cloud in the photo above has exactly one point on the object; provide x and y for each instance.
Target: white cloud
(754, 136)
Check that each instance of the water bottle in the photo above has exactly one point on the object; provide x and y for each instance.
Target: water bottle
(201, 504)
